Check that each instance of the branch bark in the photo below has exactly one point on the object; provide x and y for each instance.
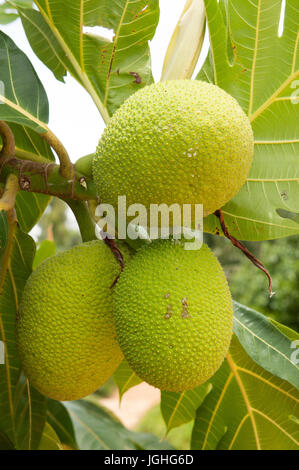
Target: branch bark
(46, 178)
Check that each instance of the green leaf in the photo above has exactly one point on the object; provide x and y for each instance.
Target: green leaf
(29, 145)
(24, 103)
(265, 344)
(107, 69)
(50, 440)
(59, 419)
(22, 409)
(8, 14)
(46, 249)
(288, 332)
(261, 71)
(24, 100)
(30, 413)
(5, 443)
(125, 378)
(95, 429)
(247, 409)
(180, 408)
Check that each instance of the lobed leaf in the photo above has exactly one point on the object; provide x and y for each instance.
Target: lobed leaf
(109, 70)
(180, 408)
(265, 343)
(260, 69)
(247, 409)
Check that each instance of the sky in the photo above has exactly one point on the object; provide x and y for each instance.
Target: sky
(71, 108)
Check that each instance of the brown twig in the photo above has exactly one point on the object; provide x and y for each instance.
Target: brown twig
(117, 254)
(243, 248)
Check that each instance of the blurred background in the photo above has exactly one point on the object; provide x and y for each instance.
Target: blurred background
(71, 110)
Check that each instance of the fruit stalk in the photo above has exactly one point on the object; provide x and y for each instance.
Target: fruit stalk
(8, 148)
(66, 166)
(7, 201)
(83, 218)
(243, 248)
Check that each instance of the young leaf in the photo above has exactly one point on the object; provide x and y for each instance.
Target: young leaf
(109, 70)
(180, 408)
(247, 409)
(250, 61)
(186, 42)
(125, 378)
(265, 344)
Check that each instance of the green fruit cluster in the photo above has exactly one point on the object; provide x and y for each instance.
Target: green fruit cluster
(170, 314)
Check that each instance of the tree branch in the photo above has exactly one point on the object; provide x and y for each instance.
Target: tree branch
(46, 178)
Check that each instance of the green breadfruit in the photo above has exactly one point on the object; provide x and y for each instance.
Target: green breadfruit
(65, 329)
(174, 315)
(182, 141)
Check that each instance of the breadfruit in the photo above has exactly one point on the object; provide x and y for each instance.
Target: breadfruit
(181, 141)
(174, 315)
(65, 329)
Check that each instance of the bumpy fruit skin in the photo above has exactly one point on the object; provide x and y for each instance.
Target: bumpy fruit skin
(181, 141)
(65, 329)
(174, 315)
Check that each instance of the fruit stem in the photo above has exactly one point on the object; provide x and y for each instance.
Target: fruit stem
(7, 201)
(84, 165)
(8, 148)
(243, 248)
(85, 223)
(66, 167)
(117, 254)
